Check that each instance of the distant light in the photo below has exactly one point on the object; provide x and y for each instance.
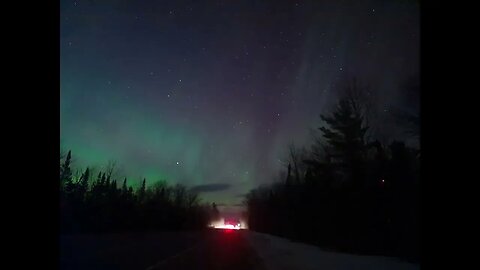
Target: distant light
(383, 181)
(178, 163)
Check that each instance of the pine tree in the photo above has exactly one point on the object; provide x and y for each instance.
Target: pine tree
(124, 187)
(103, 184)
(66, 175)
(108, 183)
(141, 192)
(83, 184)
(345, 138)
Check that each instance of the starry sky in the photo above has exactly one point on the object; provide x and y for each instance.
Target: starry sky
(210, 93)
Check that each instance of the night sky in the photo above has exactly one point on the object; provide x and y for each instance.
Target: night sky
(210, 93)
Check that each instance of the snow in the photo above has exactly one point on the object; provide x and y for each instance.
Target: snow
(282, 254)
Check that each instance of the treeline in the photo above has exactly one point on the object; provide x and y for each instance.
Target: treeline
(101, 204)
(346, 192)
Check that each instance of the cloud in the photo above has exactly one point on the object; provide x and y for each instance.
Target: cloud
(238, 205)
(210, 187)
(221, 204)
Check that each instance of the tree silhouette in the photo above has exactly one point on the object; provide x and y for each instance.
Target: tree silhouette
(124, 187)
(141, 192)
(215, 212)
(352, 193)
(66, 176)
(345, 138)
(103, 207)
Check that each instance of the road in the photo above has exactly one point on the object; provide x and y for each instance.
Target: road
(212, 249)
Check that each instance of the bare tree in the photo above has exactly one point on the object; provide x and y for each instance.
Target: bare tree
(295, 157)
(110, 168)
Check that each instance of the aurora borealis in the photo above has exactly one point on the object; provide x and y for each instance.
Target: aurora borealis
(210, 93)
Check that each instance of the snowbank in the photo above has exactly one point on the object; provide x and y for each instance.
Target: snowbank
(282, 254)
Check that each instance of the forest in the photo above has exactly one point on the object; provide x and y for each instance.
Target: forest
(348, 191)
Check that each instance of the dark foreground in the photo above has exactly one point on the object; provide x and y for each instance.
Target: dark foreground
(212, 249)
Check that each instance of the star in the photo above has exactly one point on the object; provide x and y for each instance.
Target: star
(178, 163)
